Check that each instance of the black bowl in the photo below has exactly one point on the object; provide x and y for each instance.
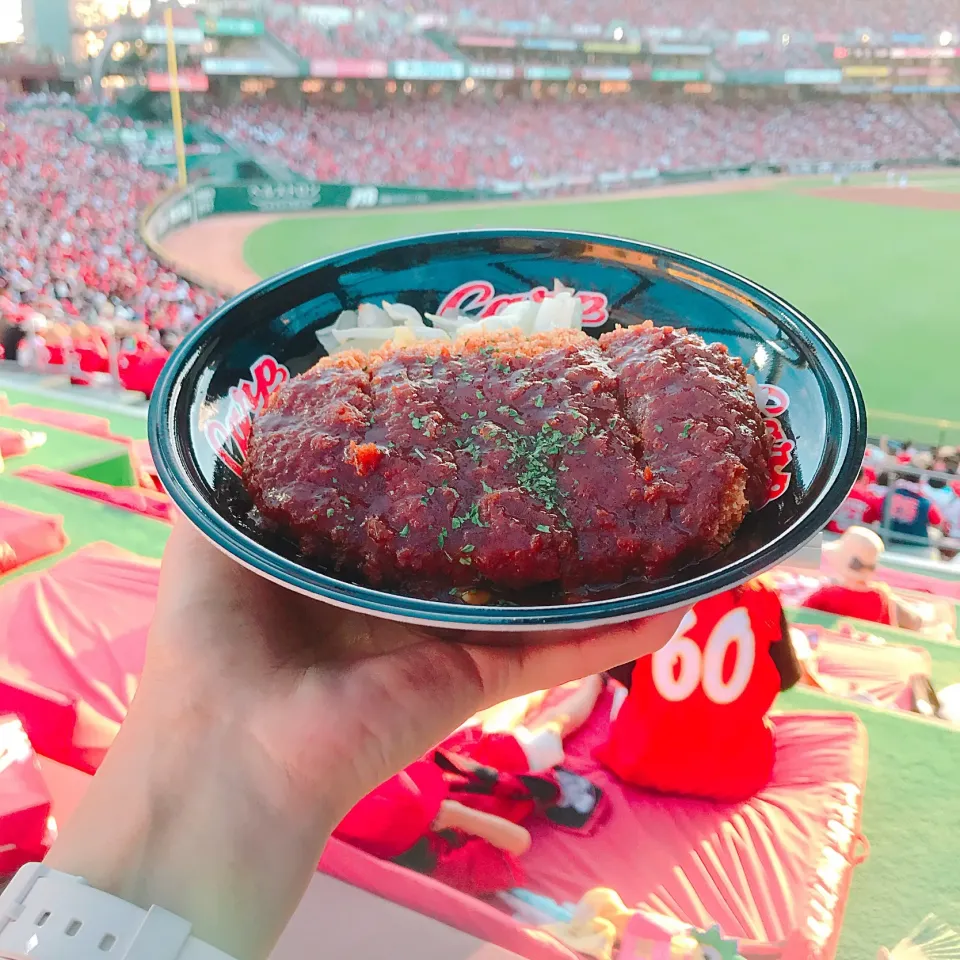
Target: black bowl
(225, 369)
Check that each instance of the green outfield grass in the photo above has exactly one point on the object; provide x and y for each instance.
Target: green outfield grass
(911, 819)
(880, 280)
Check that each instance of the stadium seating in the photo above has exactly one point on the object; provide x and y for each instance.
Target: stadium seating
(74, 267)
(26, 535)
(817, 17)
(472, 144)
(372, 38)
(776, 869)
(72, 642)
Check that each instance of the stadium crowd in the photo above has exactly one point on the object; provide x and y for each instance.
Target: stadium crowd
(369, 39)
(474, 144)
(819, 16)
(77, 284)
(910, 495)
(769, 56)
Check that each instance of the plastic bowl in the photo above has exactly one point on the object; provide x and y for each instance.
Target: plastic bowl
(226, 369)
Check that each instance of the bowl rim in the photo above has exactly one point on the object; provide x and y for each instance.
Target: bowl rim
(173, 466)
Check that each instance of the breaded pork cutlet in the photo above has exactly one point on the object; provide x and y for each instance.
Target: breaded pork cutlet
(510, 461)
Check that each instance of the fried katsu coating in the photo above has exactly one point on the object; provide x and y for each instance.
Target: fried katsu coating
(513, 461)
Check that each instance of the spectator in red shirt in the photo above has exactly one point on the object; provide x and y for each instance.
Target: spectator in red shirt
(853, 559)
(695, 720)
(862, 506)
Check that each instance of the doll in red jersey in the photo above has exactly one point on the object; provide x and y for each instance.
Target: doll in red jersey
(695, 720)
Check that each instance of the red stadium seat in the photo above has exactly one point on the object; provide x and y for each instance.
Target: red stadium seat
(148, 503)
(72, 642)
(26, 536)
(24, 799)
(773, 872)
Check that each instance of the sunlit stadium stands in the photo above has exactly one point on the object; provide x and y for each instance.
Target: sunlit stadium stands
(476, 144)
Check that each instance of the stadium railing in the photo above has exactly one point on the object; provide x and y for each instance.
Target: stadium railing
(936, 431)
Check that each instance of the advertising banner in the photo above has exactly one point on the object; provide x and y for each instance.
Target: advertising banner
(188, 81)
(675, 76)
(924, 72)
(183, 36)
(232, 27)
(470, 40)
(812, 76)
(747, 78)
(951, 88)
(205, 199)
(492, 71)
(537, 43)
(749, 38)
(862, 71)
(191, 205)
(683, 49)
(349, 69)
(858, 88)
(924, 53)
(547, 73)
(604, 46)
(428, 70)
(234, 67)
(429, 21)
(605, 73)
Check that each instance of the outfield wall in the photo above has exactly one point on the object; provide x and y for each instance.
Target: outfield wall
(207, 198)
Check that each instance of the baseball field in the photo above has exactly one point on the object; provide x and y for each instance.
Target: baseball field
(874, 264)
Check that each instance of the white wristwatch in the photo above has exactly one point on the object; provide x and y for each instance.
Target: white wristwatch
(48, 915)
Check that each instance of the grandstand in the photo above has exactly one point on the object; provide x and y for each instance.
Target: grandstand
(811, 146)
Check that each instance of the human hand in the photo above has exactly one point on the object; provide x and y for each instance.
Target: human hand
(282, 666)
(262, 716)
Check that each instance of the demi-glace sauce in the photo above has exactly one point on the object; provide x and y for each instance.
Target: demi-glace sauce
(512, 462)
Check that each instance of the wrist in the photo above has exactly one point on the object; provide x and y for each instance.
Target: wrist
(190, 812)
(221, 741)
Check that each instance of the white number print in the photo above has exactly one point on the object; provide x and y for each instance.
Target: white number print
(678, 681)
